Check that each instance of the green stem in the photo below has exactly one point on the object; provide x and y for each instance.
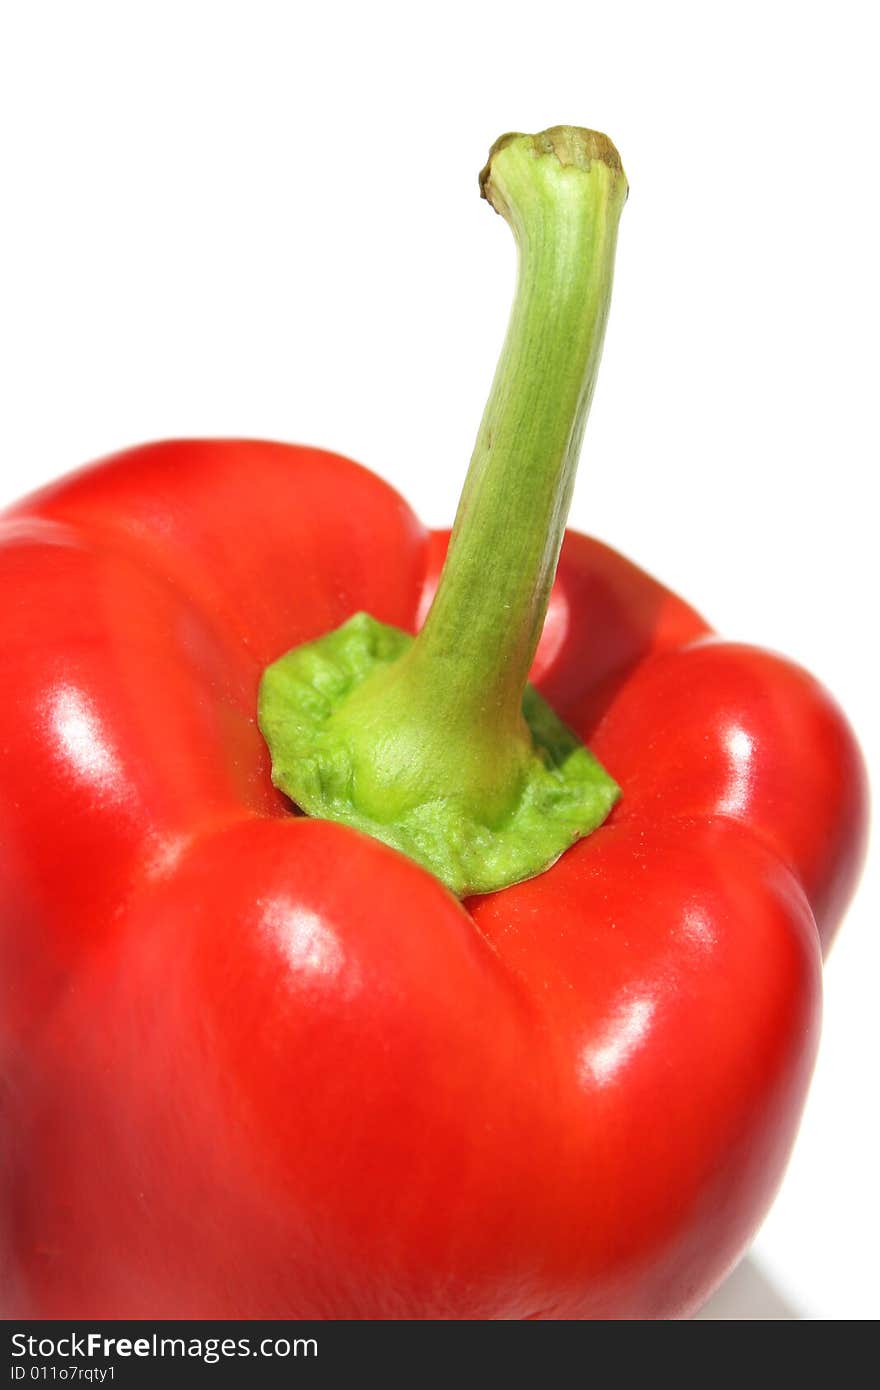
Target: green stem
(562, 193)
(437, 745)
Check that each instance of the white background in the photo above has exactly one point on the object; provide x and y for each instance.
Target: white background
(262, 219)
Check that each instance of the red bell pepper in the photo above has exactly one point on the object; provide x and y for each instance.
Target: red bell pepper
(258, 1063)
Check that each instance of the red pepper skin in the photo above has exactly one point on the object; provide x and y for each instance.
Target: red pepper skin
(257, 1065)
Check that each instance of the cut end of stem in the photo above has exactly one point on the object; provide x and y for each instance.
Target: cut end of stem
(570, 146)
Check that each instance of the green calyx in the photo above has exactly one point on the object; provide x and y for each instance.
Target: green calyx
(331, 762)
(436, 744)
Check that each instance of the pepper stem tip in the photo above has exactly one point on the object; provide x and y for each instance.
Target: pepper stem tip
(571, 146)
